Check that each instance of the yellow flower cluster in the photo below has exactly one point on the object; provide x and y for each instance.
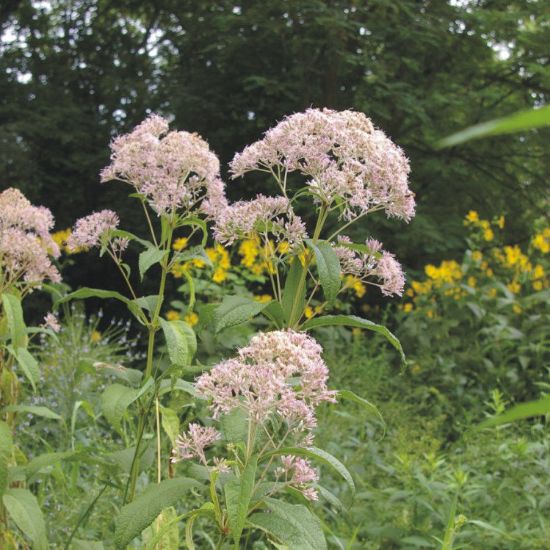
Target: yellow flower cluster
(357, 285)
(217, 254)
(257, 258)
(472, 219)
(513, 267)
(190, 318)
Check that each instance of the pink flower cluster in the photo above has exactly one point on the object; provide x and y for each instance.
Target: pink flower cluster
(25, 241)
(279, 373)
(344, 158)
(173, 170)
(376, 263)
(263, 214)
(192, 444)
(89, 231)
(299, 473)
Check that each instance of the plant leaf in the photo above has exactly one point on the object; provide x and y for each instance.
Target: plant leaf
(25, 512)
(149, 258)
(235, 310)
(180, 341)
(518, 122)
(35, 410)
(6, 447)
(28, 364)
(367, 405)
(357, 322)
(328, 267)
(139, 514)
(520, 412)
(292, 524)
(237, 499)
(117, 398)
(294, 299)
(16, 323)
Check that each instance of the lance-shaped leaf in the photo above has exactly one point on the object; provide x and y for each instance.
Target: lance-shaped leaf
(16, 324)
(6, 447)
(237, 499)
(355, 322)
(235, 310)
(328, 268)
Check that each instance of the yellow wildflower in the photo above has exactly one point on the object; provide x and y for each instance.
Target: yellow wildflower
(408, 307)
(263, 298)
(472, 281)
(471, 217)
(172, 315)
(96, 336)
(488, 234)
(492, 293)
(477, 256)
(430, 314)
(541, 241)
(448, 271)
(517, 309)
(283, 247)
(500, 222)
(514, 287)
(219, 275)
(191, 318)
(180, 244)
(308, 312)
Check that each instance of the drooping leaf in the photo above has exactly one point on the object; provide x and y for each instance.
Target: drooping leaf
(180, 341)
(16, 324)
(132, 376)
(367, 405)
(139, 514)
(520, 412)
(292, 524)
(25, 512)
(27, 363)
(6, 447)
(319, 455)
(237, 499)
(87, 292)
(235, 310)
(149, 258)
(117, 398)
(170, 423)
(518, 122)
(328, 267)
(356, 322)
(36, 410)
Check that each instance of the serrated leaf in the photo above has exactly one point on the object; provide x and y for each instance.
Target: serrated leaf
(16, 323)
(328, 267)
(35, 410)
(6, 447)
(291, 524)
(237, 499)
(25, 512)
(180, 341)
(356, 322)
(139, 514)
(235, 310)
(148, 258)
(319, 456)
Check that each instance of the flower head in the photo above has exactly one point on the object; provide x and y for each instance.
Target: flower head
(375, 266)
(25, 241)
(279, 373)
(89, 231)
(173, 170)
(192, 444)
(342, 155)
(52, 322)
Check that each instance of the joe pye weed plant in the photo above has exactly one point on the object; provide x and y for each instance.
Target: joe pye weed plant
(247, 459)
